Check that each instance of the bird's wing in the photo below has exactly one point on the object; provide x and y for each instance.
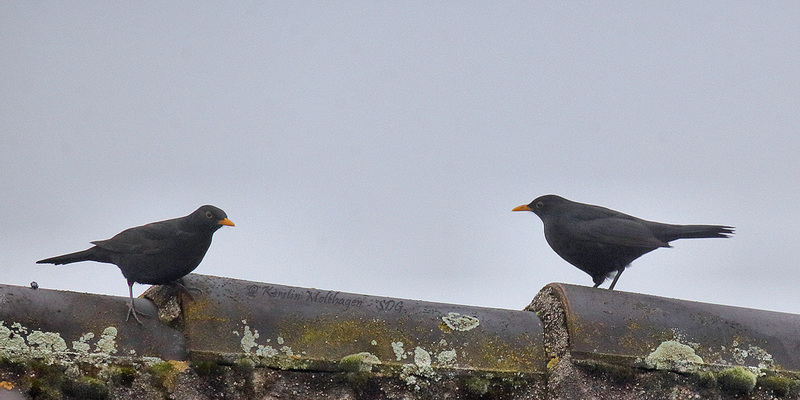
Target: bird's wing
(617, 231)
(145, 239)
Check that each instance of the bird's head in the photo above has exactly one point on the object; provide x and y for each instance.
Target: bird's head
(542, 205)
(212, 217)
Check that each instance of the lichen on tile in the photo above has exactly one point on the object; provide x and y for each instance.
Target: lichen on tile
(461, 323)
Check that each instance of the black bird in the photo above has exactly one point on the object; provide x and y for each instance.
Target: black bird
(600, 241)
(157, 253)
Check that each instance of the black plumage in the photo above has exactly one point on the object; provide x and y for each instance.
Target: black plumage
(157, 253)
(600, 241)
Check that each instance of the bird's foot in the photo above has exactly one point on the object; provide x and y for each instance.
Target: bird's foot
(132, 311)
(185, 289)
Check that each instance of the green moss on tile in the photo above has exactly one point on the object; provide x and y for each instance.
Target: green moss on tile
(43, 380)
(781, 386)
(122, 376)
(359, 362)
(165, 373)
(161, 368)
(41, 389)
(85, 387)
(206, 369)
(736, 380)
(614, 373)
(245, 364)
(13, 366)
(706, 379)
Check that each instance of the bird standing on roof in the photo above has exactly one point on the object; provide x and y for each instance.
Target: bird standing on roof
(600, 241)
(157, 253)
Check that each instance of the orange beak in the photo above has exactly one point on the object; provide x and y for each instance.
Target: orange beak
(226, 221)
(523, 207)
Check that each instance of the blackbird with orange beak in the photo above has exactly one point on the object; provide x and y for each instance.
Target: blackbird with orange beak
(601, 241)
(158, 253)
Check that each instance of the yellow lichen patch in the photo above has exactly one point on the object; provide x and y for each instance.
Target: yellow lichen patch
(179, 366)
(200, 310)
(495, 354)
(323, 334)
(167, 372)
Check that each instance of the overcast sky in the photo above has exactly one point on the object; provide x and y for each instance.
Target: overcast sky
(379, 147)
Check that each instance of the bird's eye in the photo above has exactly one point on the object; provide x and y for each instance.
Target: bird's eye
(209, 215)
(539, 204)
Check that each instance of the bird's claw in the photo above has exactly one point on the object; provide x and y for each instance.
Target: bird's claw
(132, 311)
(185, 289)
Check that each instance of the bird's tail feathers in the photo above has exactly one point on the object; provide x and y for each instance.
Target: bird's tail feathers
(704, 231)
(85, 255)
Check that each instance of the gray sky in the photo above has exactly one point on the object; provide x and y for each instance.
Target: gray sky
(379, 147)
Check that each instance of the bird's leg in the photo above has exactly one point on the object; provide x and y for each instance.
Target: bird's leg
(178, 283)
(616, 277)
(131, 308)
